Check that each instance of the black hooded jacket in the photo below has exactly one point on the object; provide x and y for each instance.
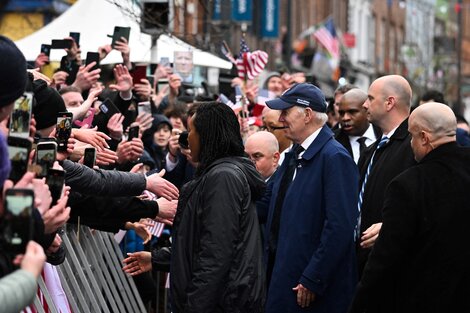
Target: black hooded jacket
(216, 262)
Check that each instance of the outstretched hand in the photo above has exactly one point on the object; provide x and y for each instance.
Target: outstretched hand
(138, 263)
(161, 187)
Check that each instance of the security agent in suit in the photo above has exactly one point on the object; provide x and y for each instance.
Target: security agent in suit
(309, 244)
(355, 133)
(419, 262)
(388, 107)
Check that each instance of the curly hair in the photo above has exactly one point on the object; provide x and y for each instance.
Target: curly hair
(219, 133)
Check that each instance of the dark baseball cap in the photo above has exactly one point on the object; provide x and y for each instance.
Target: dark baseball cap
(303, 95)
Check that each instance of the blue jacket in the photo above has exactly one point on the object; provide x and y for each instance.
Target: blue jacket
(316, 236)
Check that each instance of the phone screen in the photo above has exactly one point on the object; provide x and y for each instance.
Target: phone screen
(21, 116)
(144, 107)
(164, 61)
(55, 181)
(18, 151)
(133, 133)
(45, 156)
(63, 130)
(17, 222)
(89, 157)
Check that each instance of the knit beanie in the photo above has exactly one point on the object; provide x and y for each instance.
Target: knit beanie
(48, 103)
(268, 77)
(5, 164)
(12, 72)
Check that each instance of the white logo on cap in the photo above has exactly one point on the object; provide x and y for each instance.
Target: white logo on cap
(303, 102)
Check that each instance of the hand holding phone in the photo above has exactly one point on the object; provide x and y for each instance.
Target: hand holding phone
(93, 57)
(63, 130)
(108, 108)
(55, 181)
(89, 157)
(133, 132)
(76, 37)
(21, 116)
(183, 140)
(46, 154)
(17, 221)
(120, 32)
(46, 49)
(18, 151)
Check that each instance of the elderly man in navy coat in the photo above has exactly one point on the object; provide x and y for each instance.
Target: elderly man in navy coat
(309, 244)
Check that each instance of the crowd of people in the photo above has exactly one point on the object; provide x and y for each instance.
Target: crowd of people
(296, 204)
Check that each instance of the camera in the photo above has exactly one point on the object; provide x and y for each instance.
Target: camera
(183, 140)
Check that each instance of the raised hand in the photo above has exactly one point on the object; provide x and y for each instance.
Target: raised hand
(115, 127)
(128, 151)
(86, 77)
(123, 81)
(144, 120)
(143, 89)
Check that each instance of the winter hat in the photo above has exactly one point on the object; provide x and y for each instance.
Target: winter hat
(48, 103)
(268, 77)
(5, 164)
(158, 119)
(13, 72)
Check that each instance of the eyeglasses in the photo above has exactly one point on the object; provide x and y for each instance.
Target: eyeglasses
(272, 128)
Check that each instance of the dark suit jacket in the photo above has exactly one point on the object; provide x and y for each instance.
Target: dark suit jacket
(343, 138)
(420, 262)
(389, 161)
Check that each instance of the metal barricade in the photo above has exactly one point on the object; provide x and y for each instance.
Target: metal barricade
(92, 275)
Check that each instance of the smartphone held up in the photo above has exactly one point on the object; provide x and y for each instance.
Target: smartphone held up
(16, 228)
(21, 116)
(18, 151)
(63, 130)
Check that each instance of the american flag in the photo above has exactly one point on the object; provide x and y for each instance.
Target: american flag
(155, 228)
(326, 35)
(250, 64)
(263, 96)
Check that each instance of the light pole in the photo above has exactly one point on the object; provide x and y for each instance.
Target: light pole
(458, 104)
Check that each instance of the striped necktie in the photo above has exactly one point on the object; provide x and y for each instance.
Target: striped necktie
(382, 142)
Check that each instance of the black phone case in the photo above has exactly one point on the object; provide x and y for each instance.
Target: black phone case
(120, 32)
(108, 108)
(61, 44)
(93, 57)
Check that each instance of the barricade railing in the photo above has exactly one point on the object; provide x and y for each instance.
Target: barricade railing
(92, 276)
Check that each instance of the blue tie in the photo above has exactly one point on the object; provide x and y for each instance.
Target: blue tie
(382, 142)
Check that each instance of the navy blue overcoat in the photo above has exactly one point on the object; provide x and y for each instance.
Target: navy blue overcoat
(316, 236)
